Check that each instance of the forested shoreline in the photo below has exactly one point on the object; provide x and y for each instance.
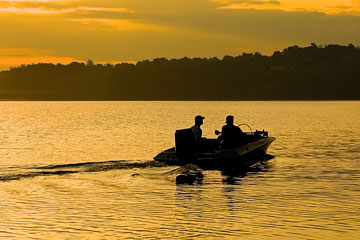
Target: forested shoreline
(330, 72)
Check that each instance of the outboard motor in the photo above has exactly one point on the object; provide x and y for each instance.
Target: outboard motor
(185, 146)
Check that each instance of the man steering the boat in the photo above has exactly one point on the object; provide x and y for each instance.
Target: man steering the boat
(231, 135)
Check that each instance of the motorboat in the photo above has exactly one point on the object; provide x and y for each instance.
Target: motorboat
(212, 153)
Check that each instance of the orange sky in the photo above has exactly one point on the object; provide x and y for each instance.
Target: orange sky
(130, 30)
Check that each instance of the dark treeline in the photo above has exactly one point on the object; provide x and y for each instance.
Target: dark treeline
(309, 73)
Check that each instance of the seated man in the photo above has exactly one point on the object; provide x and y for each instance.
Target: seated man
(231, 135)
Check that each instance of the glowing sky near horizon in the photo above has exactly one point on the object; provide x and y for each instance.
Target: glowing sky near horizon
(130, 30)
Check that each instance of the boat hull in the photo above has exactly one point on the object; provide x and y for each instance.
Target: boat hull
(240, 157)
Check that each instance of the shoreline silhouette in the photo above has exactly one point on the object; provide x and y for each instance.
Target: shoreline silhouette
(297, 73)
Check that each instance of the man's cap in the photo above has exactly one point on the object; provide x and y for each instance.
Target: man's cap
(199, 117)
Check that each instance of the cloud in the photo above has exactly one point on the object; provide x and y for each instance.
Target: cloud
(247, 2)
(49, 7)
(102, 9)
(24, 52)
(254, 2)
(11, 57)
(110, 30)
(119, 24)
(250, 5)
(327, 7)
(35, 11)
(45, 10)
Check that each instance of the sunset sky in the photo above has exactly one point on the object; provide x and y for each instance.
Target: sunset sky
(130, 30)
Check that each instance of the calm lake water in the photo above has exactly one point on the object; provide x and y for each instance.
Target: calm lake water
(84, 170)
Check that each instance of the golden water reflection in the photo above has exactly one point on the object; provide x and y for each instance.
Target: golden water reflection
(310, 190)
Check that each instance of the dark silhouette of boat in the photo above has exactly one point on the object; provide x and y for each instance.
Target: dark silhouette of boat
(212, 154)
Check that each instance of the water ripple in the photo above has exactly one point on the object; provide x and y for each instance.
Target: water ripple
(54, 182)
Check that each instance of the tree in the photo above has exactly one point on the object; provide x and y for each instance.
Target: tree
(90, 63)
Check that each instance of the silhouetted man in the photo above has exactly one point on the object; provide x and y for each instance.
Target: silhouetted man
(196, 128)
(231, 135)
